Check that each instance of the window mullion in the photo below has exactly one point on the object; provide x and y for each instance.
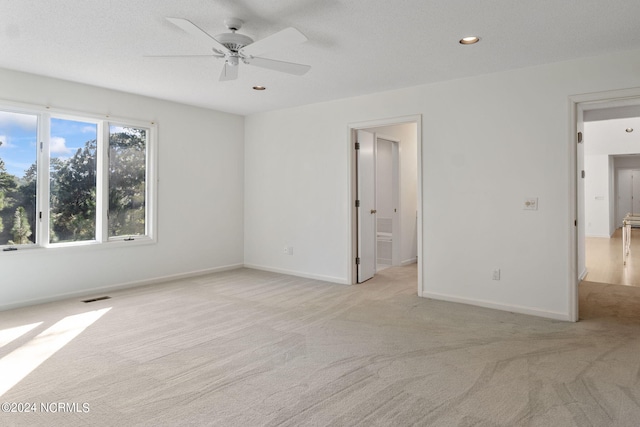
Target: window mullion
(152, 184)
(102, 190)
(43, 181)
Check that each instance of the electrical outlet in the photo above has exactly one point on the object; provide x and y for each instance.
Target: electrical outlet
(531, 204)
(496, 274)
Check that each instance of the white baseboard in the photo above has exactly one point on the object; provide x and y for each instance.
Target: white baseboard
(111, 288)
(497, 306)
(409, 261)
(582, 275)
(606, 236)
(331, 279)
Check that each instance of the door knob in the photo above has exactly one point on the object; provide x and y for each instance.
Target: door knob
(373, 211)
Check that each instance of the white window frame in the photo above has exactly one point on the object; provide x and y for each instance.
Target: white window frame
(150, 169)
(103, 122)
(43, 189)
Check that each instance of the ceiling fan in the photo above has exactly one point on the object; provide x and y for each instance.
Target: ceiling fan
(235, 48)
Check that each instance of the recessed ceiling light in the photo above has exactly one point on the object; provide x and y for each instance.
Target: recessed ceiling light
(629, 130)
(259, 88)
(469, 40)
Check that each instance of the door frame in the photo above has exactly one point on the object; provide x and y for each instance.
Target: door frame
(588, 101)
(352, 225)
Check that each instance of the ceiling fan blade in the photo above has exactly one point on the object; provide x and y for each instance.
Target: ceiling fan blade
(284, 38)
(196, 31)
(285, 67)
(229, 72)
(184, 56)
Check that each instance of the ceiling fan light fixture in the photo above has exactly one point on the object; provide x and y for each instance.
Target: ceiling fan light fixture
(628, 130)
(259, 88)
(469, 40)
(234, 41)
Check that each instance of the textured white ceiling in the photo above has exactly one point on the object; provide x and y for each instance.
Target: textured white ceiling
(355, 46)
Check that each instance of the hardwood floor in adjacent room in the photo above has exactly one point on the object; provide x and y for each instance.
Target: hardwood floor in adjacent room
(611, 289)
(604, 260)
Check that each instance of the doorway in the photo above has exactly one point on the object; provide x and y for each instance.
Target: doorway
(595, 208)
(627, 189)
(612, 191)
(386, 200)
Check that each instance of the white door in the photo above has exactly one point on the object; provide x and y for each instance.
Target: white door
(384, 203)
(366, 195)
(623, 190)
(388, 201)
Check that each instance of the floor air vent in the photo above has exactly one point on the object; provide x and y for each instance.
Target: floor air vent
(96, 299)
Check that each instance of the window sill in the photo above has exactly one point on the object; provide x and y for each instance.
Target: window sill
(79, 246)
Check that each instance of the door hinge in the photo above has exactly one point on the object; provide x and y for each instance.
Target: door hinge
(582, 174)
(357, 203)
(40, 215)
(357, 145)
(41, 145)
(357, 260)
(575, 223)
(579, 137)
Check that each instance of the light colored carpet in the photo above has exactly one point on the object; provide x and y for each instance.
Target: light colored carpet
(250, 348)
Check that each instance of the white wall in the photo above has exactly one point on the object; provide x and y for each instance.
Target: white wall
(488, 143)
(609, 137)
(597, 195)
(627, 162)
(200, 197)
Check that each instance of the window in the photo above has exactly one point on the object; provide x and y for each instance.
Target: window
(18, 151)
(127, 181)
(74, 179)
(73, 161)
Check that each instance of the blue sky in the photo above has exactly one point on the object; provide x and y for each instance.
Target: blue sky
(18, 134)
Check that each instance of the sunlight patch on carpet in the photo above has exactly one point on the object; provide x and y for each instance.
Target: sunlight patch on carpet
(15, 366)
(8, 335)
